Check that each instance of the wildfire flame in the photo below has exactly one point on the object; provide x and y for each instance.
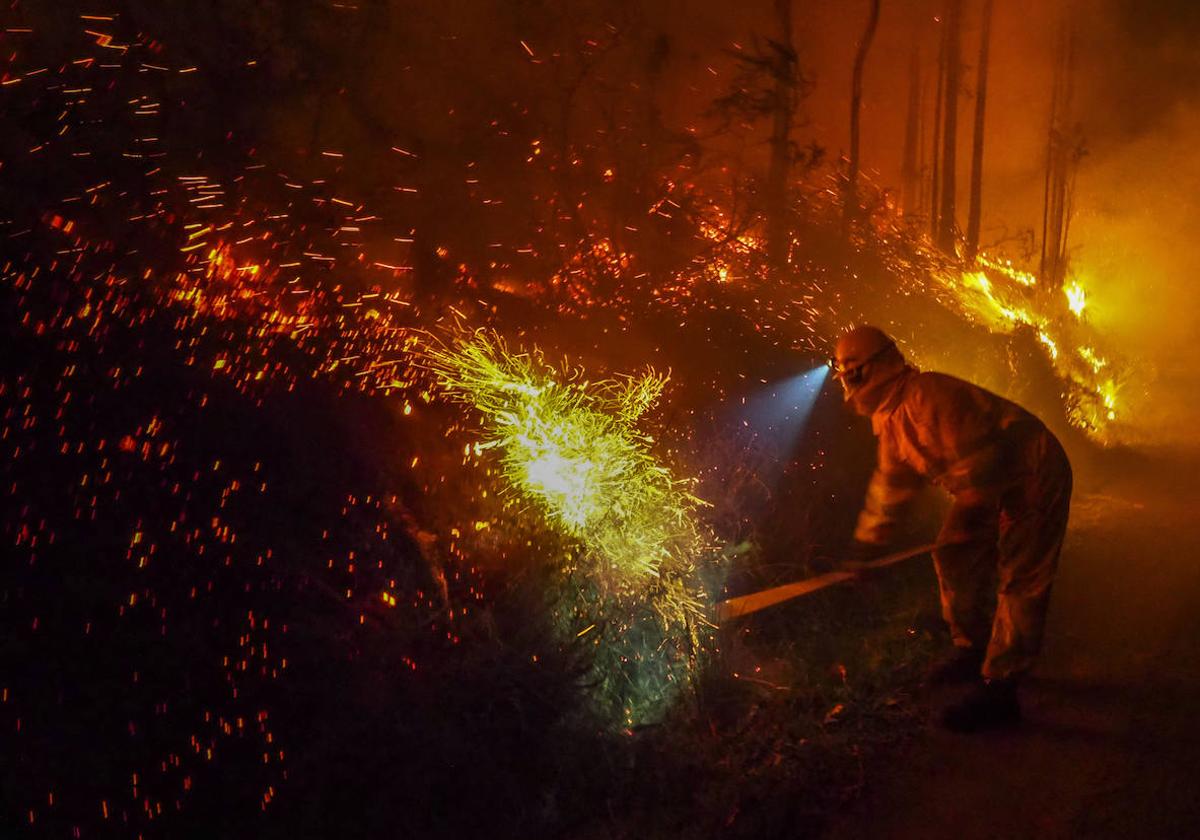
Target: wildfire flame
(1076, 298)
(1002, 298)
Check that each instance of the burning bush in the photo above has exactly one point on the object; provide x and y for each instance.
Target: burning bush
(572, 449)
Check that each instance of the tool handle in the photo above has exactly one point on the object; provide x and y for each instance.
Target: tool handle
(746, 604)
(859, 566)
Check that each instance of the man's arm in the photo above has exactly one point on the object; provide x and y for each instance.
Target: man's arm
(890, 492)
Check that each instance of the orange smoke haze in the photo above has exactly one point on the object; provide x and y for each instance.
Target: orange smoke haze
(1137, 102)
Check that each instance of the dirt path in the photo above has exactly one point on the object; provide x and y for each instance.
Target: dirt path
(1111, 745)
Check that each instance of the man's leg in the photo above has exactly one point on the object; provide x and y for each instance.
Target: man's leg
(965, 570)
(1033, 523)
(1032, 526)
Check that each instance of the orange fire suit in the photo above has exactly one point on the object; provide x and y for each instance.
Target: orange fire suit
(1011, 485)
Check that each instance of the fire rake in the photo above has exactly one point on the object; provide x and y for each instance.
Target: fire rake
(755, 601)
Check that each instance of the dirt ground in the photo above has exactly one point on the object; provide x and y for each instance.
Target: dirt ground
(1110, 746)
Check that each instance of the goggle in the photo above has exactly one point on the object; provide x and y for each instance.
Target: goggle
(852, 374)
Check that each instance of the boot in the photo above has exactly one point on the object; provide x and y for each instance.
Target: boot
(961, 665)
(992, 704)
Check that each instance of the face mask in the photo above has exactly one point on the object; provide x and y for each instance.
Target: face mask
(870, 393)
(854, 378)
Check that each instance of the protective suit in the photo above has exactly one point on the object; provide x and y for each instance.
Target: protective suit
(1011, 485)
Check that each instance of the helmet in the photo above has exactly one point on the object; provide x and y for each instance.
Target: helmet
(865, 358)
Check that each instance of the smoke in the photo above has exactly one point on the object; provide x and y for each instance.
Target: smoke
(1138, 212)
(1136, 101)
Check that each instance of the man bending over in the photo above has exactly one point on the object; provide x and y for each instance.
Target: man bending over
(1011, 485)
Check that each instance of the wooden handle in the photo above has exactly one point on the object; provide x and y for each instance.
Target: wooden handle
(746, 604)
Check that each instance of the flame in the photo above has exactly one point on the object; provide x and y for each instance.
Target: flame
(1094, 361)
(1076, 298)
(1007, 269)
(1002, 298)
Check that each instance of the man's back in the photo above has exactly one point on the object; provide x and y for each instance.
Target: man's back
(952, 432)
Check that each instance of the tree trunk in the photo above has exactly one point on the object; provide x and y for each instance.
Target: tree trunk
(1061, 153)
(953, 23)
(975, 210)
(910, 170)
(1049, 171)
(776, 193)
(935, 146)
(850, 202)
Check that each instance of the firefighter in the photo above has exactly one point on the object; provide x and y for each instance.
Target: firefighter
(1011, 487)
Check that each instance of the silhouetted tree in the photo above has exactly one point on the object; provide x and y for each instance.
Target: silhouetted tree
(910, 171)
(951, 68)
(975, 209)
(783, 112)
(1064, 149)
(850, 206)
(769, 85)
